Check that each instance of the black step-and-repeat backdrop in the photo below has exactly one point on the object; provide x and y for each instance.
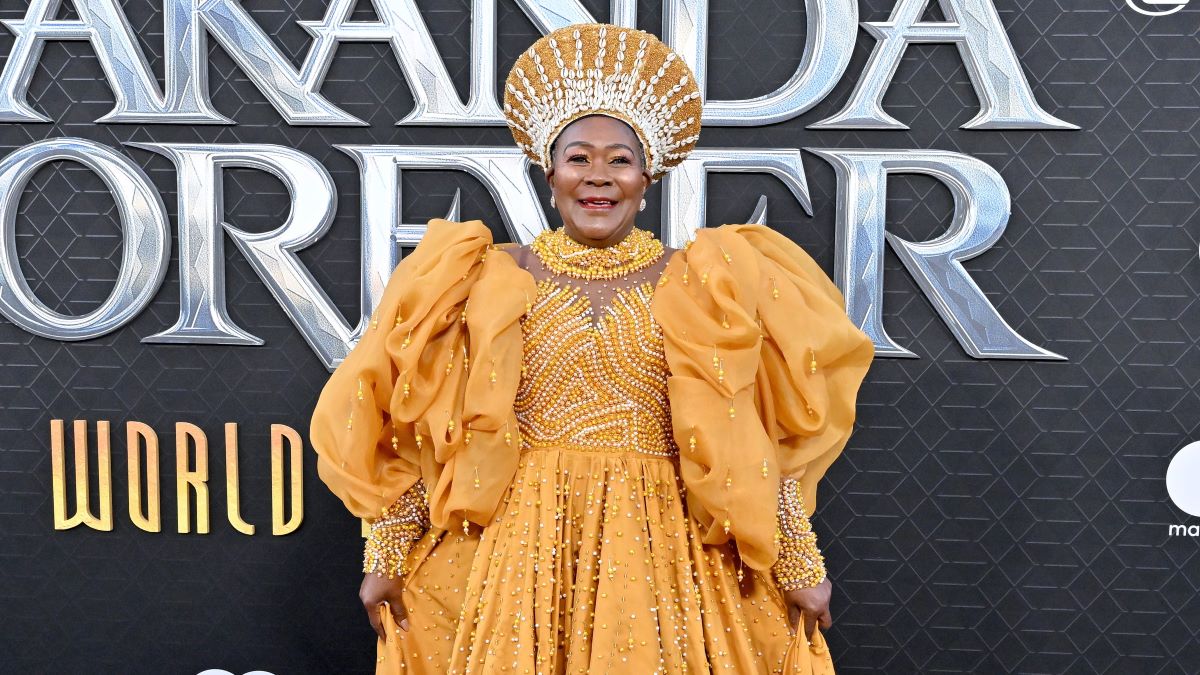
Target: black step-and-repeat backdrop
(201, 200)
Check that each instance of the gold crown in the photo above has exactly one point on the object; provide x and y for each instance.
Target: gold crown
(596, 68)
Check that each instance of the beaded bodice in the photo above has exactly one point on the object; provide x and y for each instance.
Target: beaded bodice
(594, 376)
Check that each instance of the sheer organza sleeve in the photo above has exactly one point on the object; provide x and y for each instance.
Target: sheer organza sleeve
(427, 392)
(765, 371)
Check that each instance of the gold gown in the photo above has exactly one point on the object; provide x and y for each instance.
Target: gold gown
(553, 410)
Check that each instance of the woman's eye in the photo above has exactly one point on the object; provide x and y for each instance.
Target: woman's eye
(622, 160)
(573, 158)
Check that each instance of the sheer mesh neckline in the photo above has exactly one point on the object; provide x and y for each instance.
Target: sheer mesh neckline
(599, 293)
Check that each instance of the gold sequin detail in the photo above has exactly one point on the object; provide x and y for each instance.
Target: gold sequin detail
(592, 388)
(394, 533)
(800, 564)
(562, 254)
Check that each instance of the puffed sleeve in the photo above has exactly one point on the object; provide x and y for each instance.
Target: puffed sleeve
(814, 359)
(765, 370)
(427, 391)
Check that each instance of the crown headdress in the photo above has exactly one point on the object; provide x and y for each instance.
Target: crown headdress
(595, 68)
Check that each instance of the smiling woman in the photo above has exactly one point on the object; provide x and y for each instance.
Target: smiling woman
(595, 453)
(598, 179)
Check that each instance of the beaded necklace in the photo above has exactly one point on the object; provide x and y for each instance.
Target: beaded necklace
(562, 254)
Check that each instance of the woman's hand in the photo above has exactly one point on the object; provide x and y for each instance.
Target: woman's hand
(377, 590)
(812, 604)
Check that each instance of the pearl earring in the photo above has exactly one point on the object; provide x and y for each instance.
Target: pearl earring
(551, 201)
(643, 206)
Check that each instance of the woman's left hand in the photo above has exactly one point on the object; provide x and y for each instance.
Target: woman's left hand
(812, 604)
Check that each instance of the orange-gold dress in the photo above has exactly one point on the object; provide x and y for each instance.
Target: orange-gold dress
(546, 415)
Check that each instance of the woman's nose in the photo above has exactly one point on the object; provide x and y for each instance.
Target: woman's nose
(599, 176)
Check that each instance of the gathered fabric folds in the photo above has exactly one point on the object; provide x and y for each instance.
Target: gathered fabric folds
(428, 390)
(627, 470)
(765, 370)
(594, 566)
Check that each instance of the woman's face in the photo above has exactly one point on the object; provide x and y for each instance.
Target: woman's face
(598, 178)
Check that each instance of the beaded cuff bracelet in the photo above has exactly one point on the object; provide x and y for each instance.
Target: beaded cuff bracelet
(395, 532)
(800, 563)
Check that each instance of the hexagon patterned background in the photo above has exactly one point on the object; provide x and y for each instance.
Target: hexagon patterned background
(987, 516)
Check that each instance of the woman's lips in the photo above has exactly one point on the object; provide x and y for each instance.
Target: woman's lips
(598, 205)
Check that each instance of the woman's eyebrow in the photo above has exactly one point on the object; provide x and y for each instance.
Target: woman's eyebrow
(589, 145)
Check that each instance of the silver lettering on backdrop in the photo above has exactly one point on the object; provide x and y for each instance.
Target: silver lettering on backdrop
(101, 22)
(272, 254)
(827, 50)
(289, 91)
(974, 27)
(145, 238)
(684, 188)
(982, 206)
(1003, 90)
(981, 211)
(401, 25)
(504, 171)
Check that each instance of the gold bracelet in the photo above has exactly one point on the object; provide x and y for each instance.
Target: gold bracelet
(396, 532)
(800, 563)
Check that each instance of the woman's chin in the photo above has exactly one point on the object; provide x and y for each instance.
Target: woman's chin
(595, 229)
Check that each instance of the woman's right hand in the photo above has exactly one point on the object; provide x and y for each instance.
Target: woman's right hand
(377, 590)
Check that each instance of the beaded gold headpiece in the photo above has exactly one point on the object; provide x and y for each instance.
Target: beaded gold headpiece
(602, 69)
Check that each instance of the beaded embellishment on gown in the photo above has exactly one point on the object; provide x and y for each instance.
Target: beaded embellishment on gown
(592, 564)
(594, 386)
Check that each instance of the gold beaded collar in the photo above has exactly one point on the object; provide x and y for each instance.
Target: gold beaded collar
(562, 254)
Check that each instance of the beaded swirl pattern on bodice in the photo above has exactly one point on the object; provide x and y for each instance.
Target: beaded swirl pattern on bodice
(598, 386)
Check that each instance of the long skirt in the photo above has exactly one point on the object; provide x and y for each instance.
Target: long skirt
(592, 566)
